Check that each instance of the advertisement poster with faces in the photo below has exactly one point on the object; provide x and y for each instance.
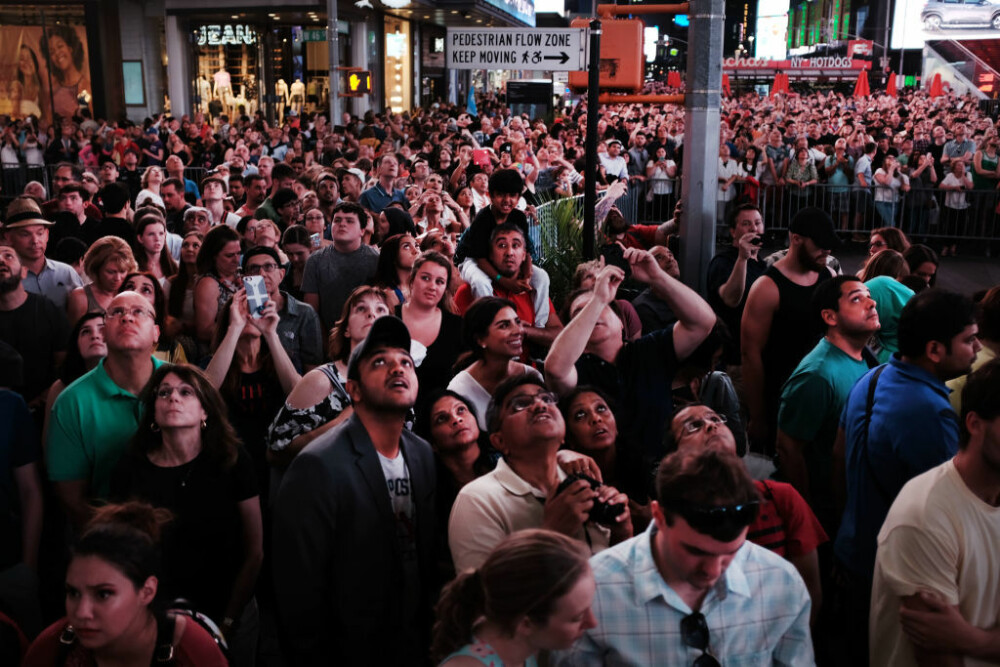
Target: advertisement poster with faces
(43, 70)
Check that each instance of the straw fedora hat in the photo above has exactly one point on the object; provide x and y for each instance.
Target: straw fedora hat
(24, 212)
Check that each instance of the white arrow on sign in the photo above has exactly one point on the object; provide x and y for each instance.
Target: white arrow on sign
(546, 49)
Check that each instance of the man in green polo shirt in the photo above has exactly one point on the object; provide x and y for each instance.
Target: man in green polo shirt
(96, 416)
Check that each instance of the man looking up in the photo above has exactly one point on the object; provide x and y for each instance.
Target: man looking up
(897, 424)
(692, 589)
(779, 326)
(472, 254)
(523, 491)
(328, 193)
(282, 177)
(354, 530)
(814, 396)
(94, 418)
(380, 195)
(213, 195)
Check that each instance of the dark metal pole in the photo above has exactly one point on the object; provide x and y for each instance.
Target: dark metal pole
(699, 185)
(333, 41)
(590, 176)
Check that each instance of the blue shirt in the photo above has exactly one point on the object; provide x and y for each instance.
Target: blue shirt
(913, 428)
(55, 282)
(757, 612)
(376, 198)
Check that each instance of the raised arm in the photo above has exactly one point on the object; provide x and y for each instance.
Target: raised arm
(560, 364)
(695, 318)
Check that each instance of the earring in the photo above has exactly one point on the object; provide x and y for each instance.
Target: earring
(204, 424)
(154, 427)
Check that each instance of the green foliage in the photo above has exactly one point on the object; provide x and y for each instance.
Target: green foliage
(562, 244)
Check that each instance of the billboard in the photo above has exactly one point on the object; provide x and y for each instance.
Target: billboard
(771, 31)
(919, 21)
(42, 70)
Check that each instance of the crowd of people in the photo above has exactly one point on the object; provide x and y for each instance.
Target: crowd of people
(306, 394)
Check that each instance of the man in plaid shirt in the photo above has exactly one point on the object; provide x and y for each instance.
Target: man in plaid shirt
(692, 589)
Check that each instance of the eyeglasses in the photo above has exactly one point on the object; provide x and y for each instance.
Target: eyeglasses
(525, 401)
(877, 244)
(257, 269)
(695, 425)
(694, 632)
(136, 313)
(165, 392)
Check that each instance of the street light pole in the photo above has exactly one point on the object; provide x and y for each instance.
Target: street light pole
(333, 42)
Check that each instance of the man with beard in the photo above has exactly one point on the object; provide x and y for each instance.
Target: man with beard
(328, 193)
(351, 182)
(95, 417)
(172, 192)
(935, 591)
(779, 325)
(354, 530)
(32, 325)
(28, 233)
(814, 395)
(523, 491)
(897, 424)
(256, 193)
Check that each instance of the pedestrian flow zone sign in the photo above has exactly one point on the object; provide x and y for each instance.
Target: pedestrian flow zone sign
(546, 49)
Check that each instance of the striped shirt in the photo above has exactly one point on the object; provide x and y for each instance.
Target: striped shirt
(757, 613)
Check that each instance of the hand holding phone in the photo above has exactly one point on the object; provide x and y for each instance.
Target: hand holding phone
(256, 295)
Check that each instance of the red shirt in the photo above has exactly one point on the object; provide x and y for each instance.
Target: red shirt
(639, 236)
(785, 524)
(195, 648)
(524, 304)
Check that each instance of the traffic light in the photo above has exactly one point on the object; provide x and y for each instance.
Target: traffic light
(622, 58)
(355, 82)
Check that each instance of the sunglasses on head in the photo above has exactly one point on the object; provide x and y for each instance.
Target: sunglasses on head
(712, 517)
(694, 633)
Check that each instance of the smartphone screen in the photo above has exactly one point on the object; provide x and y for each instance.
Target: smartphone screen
(316, 240)
(256, 295)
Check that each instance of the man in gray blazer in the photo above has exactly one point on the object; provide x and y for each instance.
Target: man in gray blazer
(354, 526)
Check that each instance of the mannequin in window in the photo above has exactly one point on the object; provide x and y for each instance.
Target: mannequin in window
(298, 96)
(204, 92)
(250, 92)
(281, 90)
(223, 89)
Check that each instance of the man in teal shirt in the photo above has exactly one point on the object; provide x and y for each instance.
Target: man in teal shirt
(814, 396)
(96, 416)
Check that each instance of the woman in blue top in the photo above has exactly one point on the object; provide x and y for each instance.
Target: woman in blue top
(532, 594)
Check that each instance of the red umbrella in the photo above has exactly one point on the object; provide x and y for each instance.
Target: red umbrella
(890, 87)
(861, 88)
(725, 84)
(937, 88)
(778, 86)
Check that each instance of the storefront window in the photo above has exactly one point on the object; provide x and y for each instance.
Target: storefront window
(398, 75)
(44, 61)
(227, 77)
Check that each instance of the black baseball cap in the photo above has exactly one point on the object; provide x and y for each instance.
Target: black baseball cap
(260, 250)
(816, 224)
(387, 331)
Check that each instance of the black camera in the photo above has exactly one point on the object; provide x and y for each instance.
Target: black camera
(601, 512)
(757, 241)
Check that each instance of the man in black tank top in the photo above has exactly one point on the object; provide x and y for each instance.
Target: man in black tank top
(779, 326)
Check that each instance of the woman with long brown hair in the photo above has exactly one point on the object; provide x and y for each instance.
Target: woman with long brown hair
(185, 457)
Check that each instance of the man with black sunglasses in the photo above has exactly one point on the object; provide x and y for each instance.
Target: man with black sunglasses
(692, 590)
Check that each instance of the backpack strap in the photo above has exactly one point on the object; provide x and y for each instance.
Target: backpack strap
(163, 654)
(869, 405)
